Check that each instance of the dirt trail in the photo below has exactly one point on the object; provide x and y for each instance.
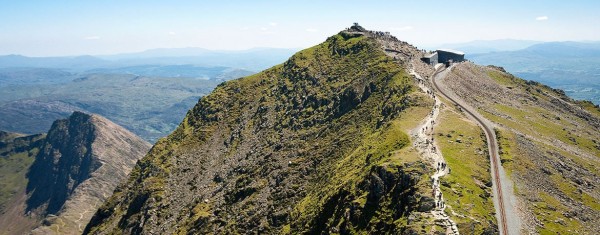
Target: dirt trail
(504, 199)
(423, 141)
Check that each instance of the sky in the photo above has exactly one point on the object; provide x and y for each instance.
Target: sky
(68, 28)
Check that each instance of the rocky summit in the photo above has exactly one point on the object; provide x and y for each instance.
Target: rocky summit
(74, 168)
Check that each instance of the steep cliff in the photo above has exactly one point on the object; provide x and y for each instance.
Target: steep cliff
(75, 168)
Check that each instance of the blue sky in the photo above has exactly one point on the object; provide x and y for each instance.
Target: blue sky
(51, 28)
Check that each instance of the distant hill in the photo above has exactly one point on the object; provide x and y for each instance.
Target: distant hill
(64, 175)
(79, 62)
(571, 66)
(253, 59)
(147, 92)
(486, 46)
(33, 76)
(219, 73)
(151, 107)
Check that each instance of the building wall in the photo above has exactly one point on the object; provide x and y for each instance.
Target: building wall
(431, 60)
(445, 57)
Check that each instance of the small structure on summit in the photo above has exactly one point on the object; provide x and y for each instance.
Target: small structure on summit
(445, 56)
(357, 27)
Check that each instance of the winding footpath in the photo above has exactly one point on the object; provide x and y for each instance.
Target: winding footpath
(502, 187)
(424, 143)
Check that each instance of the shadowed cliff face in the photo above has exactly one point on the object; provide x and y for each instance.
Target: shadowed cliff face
(70, 172)
(63, 163)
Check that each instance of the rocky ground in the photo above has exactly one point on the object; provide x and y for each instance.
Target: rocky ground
(548, 145)
(424, 142)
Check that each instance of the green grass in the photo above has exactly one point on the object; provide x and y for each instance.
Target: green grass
(462, 144)
(549, 211)
(12, 174)
(538, 120)
(15, 164)
(529, 119)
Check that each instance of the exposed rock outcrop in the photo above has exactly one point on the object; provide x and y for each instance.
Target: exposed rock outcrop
(77, 166)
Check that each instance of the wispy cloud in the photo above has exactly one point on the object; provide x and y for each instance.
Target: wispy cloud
(264, 29)
(91, 38)
(403, 28)
(172, 33)
(312, 30)
(541, 18)
(273, 24)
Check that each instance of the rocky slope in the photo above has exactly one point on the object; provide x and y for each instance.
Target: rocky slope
(317, 144)
(77, 166)
(549, 146)
(17, 153)
(320, 144)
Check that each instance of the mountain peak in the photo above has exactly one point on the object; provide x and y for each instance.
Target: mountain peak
(76, 166)
(253, 155)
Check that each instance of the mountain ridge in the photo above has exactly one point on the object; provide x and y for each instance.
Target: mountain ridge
(570, 66)
(316, 94)
(74, 168)
(321, 144)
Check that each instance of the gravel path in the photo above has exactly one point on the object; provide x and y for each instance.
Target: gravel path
(504, 199)
(424, 142)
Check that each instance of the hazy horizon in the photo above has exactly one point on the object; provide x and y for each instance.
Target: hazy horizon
(67, 28)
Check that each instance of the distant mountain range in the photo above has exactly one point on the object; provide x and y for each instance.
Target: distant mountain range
(485, 46)
(242, 59)
(147, 92)
(149, 106)
(570, 66)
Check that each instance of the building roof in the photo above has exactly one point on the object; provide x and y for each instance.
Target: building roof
(452, 51)
(430, 55)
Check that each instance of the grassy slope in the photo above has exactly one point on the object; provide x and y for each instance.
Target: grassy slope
(16, 156)
(17, 153)
(467, 188)
(546, 150)
(335, 118)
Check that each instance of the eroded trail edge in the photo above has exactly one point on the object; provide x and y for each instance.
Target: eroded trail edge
(423, 141)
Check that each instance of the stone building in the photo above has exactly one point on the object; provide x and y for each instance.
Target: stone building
(430, 58)
(445, 56)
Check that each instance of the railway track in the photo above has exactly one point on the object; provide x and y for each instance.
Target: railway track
(493, 151)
